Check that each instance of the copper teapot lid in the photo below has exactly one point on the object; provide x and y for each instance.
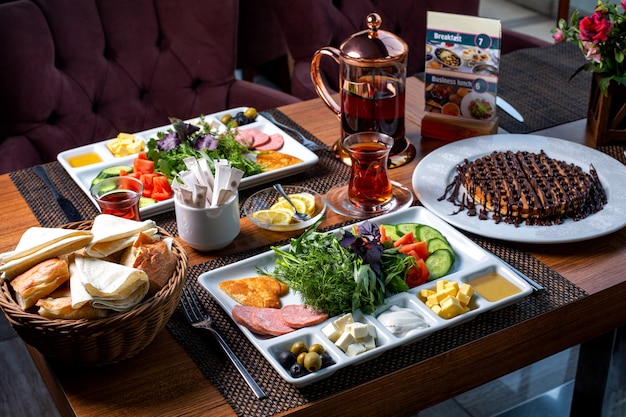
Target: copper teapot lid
(374, 46)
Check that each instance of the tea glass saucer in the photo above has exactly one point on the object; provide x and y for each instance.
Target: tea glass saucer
(338, 201)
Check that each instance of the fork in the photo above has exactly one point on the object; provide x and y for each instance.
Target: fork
(303, 139)
(199, 318)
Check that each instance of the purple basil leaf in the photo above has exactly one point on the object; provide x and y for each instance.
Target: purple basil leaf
(169, 142)
(208, 142)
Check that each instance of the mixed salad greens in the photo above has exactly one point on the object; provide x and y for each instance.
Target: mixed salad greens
(184, 140)
(341, 274)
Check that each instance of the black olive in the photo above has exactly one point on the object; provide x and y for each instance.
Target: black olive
(297, 370)
(327, 360)
(286, 359)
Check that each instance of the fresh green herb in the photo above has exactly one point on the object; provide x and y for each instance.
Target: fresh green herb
(341, 274)
(169, 149)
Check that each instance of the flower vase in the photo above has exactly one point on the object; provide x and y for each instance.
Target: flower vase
(606, 115)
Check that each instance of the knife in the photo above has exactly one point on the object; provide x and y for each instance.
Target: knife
(66, 205)
(504, 105)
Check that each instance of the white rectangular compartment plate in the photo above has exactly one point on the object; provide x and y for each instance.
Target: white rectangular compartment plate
(84, 175)
(471, 261)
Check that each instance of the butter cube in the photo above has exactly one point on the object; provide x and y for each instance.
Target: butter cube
(331, 332)
(357, 330)
(466, 289)
(425, 293)
(345, 340)
(450, 307)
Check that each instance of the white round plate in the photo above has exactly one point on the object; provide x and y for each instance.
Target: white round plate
(465, 110)
(437, 170)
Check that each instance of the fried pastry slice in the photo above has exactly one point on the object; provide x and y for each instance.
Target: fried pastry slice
(261, 291)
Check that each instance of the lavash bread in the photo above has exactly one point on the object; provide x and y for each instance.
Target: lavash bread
(39, 281)
(154, 257)
(59, 306)
(112, 234)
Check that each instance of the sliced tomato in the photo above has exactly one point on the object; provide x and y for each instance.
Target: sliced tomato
(143, 166)
(417, 274)
(405, 239)
(147, 180)
(420, 248)
(161, 189)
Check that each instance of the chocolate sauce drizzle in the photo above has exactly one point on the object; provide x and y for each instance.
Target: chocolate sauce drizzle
(525, 187)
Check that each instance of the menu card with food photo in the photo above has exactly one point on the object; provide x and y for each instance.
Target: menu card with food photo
(461, 76)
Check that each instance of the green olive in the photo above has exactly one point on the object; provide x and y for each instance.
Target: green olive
(226, 118)
(250, 112)
(300, 358)
(298, 347)
(316, 347)
(312, 362)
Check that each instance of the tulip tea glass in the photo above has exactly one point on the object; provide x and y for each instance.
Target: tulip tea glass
(369, 192)
(118, 196)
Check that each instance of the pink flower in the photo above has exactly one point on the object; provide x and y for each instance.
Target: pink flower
(591, 51)
(623, 4)
(595, 28)
(559, 36)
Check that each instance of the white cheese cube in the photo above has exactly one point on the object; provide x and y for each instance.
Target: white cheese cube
(372, 330)
(345, 340)
(369, 342)
(331, 332)
(354, 349)
(358, 330)
(341, 322)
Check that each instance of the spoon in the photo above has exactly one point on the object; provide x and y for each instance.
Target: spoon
(299, 216)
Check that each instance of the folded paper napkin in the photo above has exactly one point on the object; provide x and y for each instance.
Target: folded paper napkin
(112, 234)
(38, 244)
(106, 284)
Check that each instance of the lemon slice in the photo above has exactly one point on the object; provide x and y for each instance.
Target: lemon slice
(278, 217)
(308, 199)
(283, 204)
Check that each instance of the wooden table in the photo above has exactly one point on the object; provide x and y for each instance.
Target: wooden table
(164, 381)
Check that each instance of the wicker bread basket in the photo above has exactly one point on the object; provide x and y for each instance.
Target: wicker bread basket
(102, 341)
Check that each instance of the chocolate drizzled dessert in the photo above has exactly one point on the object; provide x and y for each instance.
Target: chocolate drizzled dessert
(518, 187)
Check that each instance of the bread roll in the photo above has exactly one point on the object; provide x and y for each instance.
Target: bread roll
(39, 281)
(154, 258)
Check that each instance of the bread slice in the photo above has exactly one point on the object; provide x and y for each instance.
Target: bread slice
(261, 291)
(39, 281)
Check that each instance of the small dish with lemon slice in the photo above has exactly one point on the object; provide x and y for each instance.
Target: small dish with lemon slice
(267, 209)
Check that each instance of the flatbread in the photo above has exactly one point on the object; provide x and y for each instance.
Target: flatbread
(112, 234)
(106, 284)
(16, 266)
(36, 238)
(261, 291)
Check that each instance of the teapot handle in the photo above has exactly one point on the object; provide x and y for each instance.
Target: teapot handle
(317, 79)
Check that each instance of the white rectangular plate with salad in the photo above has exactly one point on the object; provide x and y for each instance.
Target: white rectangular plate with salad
(84, 175)
(471, 262)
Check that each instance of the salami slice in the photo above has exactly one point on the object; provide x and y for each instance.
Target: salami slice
(300, 315)
(270, 321)
(244, 315)
(260, 138)
(275, 143)
(245, 137)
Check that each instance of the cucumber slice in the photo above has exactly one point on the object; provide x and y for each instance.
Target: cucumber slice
(437, 243)
(391, 230)
(146, 201)
(404, 228)
(439, 263)
(426, 233)
(114, 171)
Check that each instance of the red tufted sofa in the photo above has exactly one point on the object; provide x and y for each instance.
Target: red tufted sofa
(79, 71)
(310, 24)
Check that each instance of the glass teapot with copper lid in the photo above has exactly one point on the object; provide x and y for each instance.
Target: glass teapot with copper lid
(372, 80)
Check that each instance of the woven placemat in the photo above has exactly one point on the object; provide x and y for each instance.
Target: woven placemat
(536, 81)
